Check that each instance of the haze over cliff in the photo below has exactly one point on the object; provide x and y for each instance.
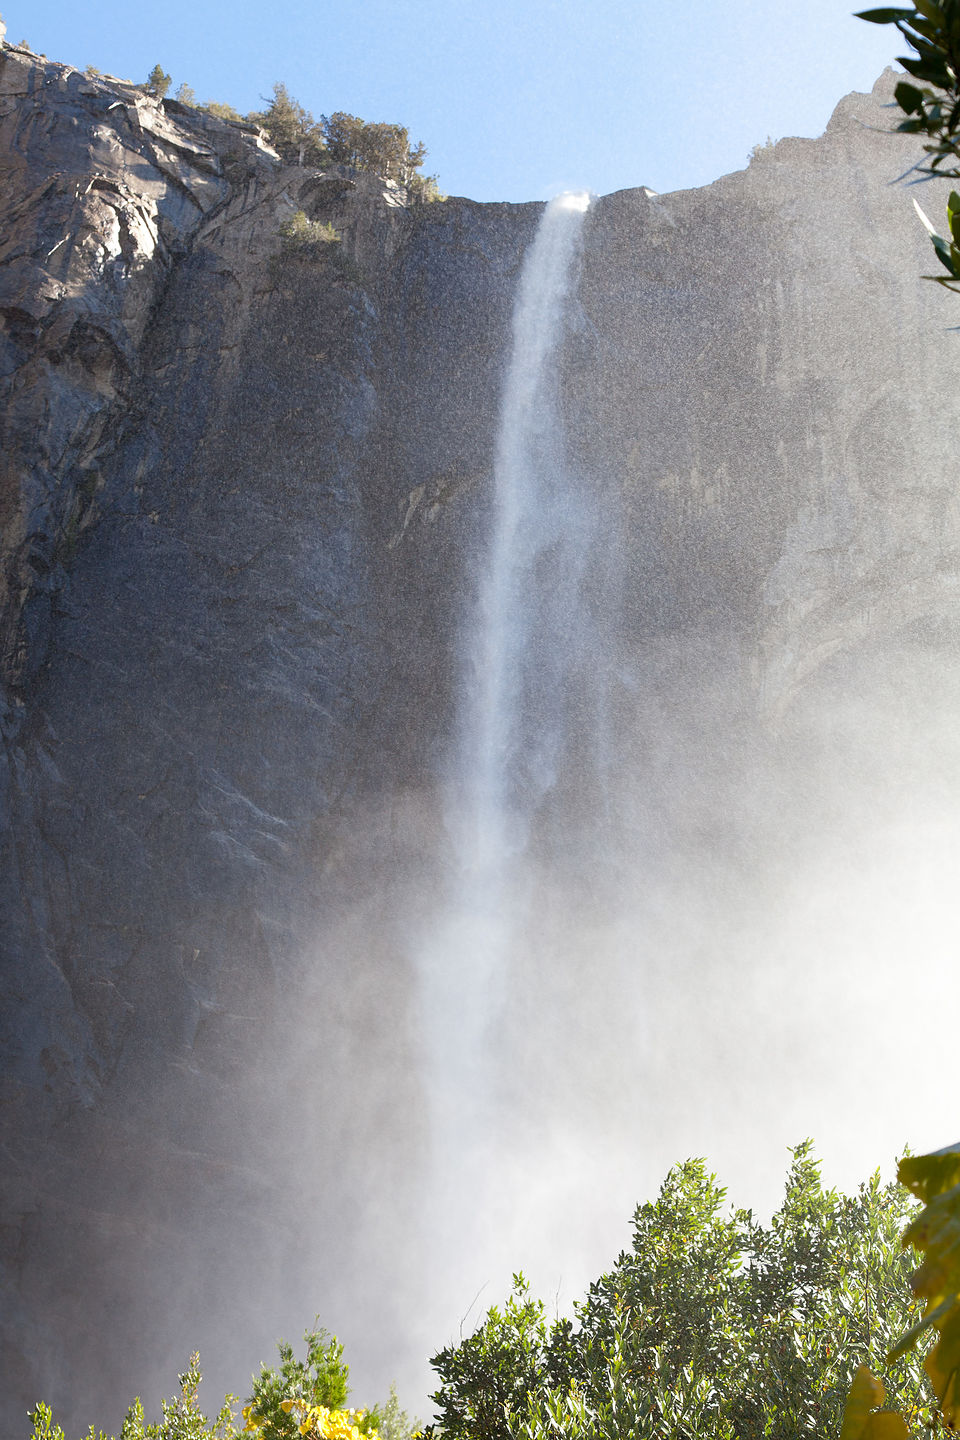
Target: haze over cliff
(244, 501)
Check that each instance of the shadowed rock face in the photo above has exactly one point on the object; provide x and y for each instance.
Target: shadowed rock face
(240, 501)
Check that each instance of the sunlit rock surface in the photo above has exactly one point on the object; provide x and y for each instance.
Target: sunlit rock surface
(241, 499)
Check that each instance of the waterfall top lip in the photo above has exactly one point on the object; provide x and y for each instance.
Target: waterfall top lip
(572, 200)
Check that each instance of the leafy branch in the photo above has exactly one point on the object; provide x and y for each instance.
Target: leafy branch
(935, 1179)
(932, 30)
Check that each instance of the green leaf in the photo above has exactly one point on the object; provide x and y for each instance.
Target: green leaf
(934, 72)
(909, 1340)
(884, 16)
(929, 31)
(936, 1229)
(932, 11)
(885, 1425)
(943, 250)
(943, 1367)
(927, 1176)
(866, 1393)
(928, 47)
(908, 97)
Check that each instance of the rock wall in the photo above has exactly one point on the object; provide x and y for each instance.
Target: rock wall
(240, 500)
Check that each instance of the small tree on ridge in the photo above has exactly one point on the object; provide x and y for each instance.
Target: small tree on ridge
(158, 82)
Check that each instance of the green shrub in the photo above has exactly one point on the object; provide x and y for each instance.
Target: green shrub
(182, 1417)
(307, 239)
(319, 1379)
(424, 189)
(711, 1326)
(293, 132)
(220, 111)
(391, 1422)
(297, 1397)
(372, 145)
(158, 82)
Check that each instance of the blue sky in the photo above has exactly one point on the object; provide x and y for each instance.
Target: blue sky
(514, 99)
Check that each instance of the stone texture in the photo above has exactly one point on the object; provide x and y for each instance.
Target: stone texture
(240, 502)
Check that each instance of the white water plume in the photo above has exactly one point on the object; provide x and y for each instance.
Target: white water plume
(511, 707)
(537, 517)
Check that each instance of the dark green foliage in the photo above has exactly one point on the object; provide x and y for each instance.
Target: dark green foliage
(491, 1374)
(293, 132)
(182, 1417)
(314, 242)
(222, 112)
(383, 148)
(932, 109)
(423, 189)
(158, 82)
(307, 239)
(342, 139)
(948, 250)
(319, 1379)
(932, 30)
(712, 1326)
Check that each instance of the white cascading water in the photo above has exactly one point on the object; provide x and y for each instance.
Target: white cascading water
(512, 706)
(502, 768)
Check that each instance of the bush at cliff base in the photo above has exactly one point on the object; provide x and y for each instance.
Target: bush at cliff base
(296, 1398)
(712, 1326)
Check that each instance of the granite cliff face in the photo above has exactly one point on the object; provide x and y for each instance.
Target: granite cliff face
(239, 499)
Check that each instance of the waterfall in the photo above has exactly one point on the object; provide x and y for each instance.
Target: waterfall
(526, 610)
(523, 624)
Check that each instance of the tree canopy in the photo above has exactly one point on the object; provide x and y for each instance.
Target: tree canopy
(365, 146)
(711, 1326)
(293, 132)
(342, 139)
(158, 82)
